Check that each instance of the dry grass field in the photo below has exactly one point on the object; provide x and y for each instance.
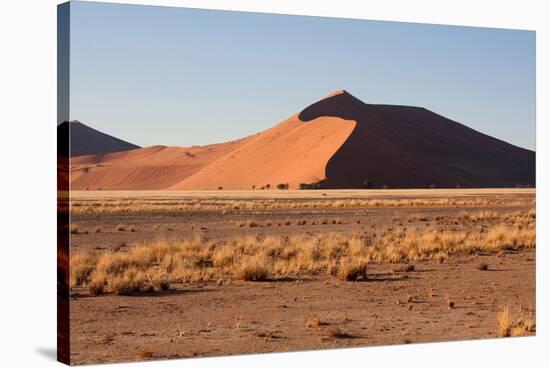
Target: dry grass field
(159, 275)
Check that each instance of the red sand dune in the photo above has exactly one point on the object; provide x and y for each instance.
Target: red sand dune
(338, 142)
(412, 147)
(155, 167)
(292, 152)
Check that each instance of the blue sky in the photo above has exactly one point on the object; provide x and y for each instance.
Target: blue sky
(176, 76)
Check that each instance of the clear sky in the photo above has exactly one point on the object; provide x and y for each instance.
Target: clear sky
(175, 76)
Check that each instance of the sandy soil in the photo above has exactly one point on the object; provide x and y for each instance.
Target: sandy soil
(245, 317)
(228, 316)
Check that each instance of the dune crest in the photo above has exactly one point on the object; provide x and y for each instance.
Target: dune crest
(337, 142)
(412, 147)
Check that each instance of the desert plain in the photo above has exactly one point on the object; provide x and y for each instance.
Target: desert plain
(171, 274)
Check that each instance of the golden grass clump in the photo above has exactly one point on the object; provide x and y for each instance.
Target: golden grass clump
(73, 229)
(254, 269)
(502, 237)
(157, 265)
(81, 267)
(504, 322)
(313, 322)
(353, 270)
(522, 325)
(96, 286)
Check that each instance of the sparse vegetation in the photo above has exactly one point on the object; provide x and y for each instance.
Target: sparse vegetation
(522, 325)
(258, 258)
(96, 286)
(82, 265)
(122, 205)
(309, 186)
(353, 270)
(372, 276)
(337, 333)
(483, 266)
(313, 322)
(254, 269)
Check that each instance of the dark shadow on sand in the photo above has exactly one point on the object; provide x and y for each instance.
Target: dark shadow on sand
(167, 293)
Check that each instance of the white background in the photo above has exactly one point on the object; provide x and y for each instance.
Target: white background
(28, 181)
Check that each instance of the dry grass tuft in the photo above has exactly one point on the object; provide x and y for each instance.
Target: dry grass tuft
(522, 325)
(314, 322)
(82, 266)
(483, 266)
(337, 333)
(97, 286)
(73, 228)
(255, 270)
(353, 270)
(504, 322)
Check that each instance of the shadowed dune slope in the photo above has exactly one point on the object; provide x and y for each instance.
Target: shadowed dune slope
(407, 147)
(85, 140)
